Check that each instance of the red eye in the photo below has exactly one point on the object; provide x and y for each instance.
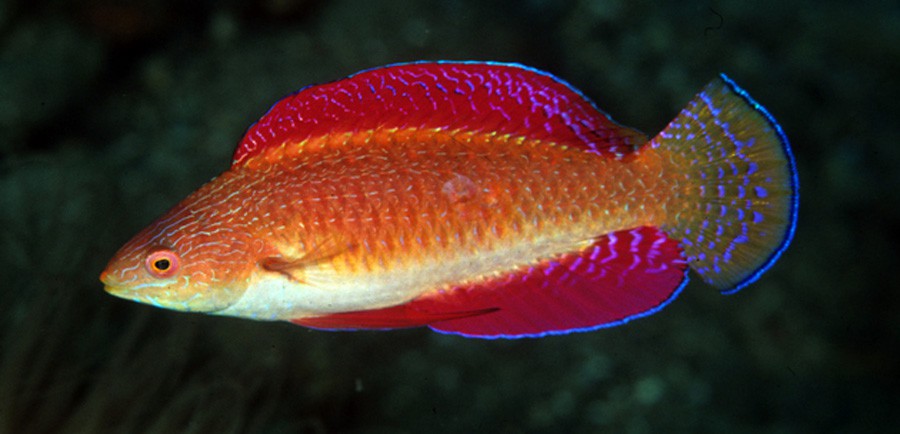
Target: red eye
(162, 263)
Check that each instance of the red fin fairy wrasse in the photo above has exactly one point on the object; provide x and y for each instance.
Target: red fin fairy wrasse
(481, 199)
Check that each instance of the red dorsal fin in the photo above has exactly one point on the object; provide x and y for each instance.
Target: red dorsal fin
(471, 97)
(621, 276)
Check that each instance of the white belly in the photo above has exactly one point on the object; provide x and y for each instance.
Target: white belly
(274, 296)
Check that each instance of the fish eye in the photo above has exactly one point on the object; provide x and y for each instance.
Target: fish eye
(162, 263)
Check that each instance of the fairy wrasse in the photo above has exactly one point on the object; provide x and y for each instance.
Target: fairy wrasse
(481, 199)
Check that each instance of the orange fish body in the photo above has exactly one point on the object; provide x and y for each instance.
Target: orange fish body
(481, 199)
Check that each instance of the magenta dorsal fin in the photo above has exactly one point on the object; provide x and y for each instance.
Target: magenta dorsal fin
(621, 276)
(465, 96)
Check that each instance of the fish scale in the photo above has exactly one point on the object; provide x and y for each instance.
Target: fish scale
(525, 206)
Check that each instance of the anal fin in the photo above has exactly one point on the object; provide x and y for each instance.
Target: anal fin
(393, 317)
(622, 276)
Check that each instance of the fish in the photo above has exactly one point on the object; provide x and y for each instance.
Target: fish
(481, 199)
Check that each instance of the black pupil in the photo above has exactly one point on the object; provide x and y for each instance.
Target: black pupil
(162, 264)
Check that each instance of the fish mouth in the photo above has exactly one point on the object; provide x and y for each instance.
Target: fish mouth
(117, 288)
(106, 278)
(131, 294)
(122, 291)
(139, 294)
(111, 285)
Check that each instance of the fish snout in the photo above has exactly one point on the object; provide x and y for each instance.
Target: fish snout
(109, 278)
(111, 283)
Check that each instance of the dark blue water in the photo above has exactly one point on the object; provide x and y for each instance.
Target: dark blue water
(111, 112)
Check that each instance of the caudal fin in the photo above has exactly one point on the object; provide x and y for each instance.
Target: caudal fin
(740, 189)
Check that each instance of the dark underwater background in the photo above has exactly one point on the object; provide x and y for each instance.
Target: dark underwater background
(112, 111)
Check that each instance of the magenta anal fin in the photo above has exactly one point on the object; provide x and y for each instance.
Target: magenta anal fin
(394, 317)
(622, 276)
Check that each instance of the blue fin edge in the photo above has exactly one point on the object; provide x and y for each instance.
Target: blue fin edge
(795, 186)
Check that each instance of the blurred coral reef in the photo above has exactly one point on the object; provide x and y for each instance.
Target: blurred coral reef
(112, 111)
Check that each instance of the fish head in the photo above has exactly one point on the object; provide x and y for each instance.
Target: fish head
(182, 262)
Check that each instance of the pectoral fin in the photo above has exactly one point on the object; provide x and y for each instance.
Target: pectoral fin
(293, 268)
